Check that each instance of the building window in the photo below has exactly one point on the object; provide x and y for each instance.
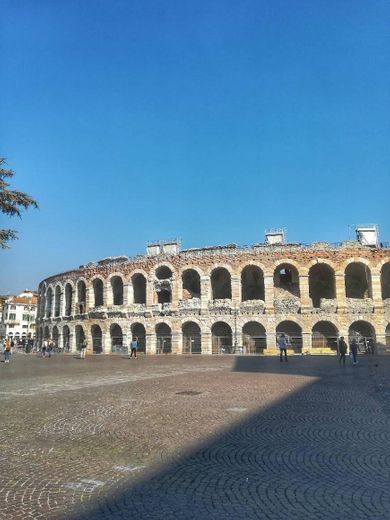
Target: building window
(12, 316)
(13, 307)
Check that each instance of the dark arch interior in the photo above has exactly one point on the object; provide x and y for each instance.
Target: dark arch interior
(57, 301)
(117, 290)
(286, 279)
(80, 336)
(97, 344)
(138, 331)
(164, 296)
(222, 338)
(68, 299)
(164, 339)
(221, 284)
(49, 302)
(252, 283)
(66, 345)
(324, 335)
(362, 332)
(293, 333)
(357, 281)
(191, 284)
(254, 338)
(163, 272)
(385, 281)
(321, 283)
(139, 288)
(191, 338)
(116, 335)
(82, 296)
(98, 292)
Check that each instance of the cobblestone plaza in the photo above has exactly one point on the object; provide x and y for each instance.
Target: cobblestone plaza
(194, 437)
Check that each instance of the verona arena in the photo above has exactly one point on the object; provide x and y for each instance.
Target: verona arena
(220, 300)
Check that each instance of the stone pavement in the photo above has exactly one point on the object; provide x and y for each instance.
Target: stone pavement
(194, 438)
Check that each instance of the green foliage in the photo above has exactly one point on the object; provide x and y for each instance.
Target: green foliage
(11, 203)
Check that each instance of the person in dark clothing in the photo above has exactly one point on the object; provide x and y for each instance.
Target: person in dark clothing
(282, 344)
(354, 348)
(342, 350)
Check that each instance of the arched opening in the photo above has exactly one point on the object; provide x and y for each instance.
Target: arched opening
(191, 284)
(49, 302)
(116, 338)
(252, 283)
(97, 339)
(57, 301)
(138, 331)
(42, 305)
(46, 333)
(222, 338)
(66, 343)
(139, 288)
(385, 281)
(163, 284)
(68, 299)
(221, 284)
(81, 297)
(324, 335)
(357, 281)
(293, 333)
(164, 339)
(97, 285)
(191, 338)
(254, 338)
(364, 334)
(80, 336)
(286, 281)
(117, 290)
(55, 336)
(387, 335)
(322, 284)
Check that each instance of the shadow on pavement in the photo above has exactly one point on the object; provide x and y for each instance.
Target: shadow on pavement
(321, 453)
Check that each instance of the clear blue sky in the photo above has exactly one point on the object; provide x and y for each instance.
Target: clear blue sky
(210, 120)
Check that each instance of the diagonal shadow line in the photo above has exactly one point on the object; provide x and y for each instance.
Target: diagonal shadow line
(321, 453)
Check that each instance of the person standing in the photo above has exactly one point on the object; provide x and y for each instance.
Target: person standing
(354, 348)
(134, 347)
(342, 350)
(282, 344)
(83, 348)
(7, 350)
(45, 344)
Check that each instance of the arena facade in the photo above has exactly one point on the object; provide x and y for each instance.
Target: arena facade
(224, 299)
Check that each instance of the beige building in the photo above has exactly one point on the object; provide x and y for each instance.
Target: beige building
(224, 299)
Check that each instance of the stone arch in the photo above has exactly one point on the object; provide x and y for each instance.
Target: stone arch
(66, 339)
(357, 280)
(81, 288)
(252, 283)
(191, 284)
(116, 336)
(117, 289)
(221, 284)
(80, 336)
(68, 294)
(254, 337)
(163, 283)
(163, 338)
(49, 302)
(222, 338)
(286, 280)
(138, 331)
(322, 283)
(57, 301)
(97, 339)
(192, 343)
(138, 281)
(385, 280)
(293, 333)
(364, 334)
(324, 334)
(98, 292)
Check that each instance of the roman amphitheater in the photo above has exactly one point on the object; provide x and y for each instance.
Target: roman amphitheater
(223, 300)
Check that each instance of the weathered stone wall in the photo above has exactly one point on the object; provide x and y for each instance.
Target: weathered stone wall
(278, 306)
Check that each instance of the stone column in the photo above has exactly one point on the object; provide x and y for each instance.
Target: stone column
(269, 294)
(108, 297)
(306, 341)
(236, 290)
(377, 292)
(174, 293)
(106, 342)
(272, 348)
(150, 343)
(177, 342)
(150, 292)
(130, 294)
(306, 303)
(205, 289)
(206, 341)
(90, 297)
(340, 293)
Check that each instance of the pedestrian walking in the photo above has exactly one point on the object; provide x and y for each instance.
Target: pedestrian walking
(282, 344)
(83, 348)
(50, 348)
(342, 350)
(134, 347)
(354, 349)
(45, 345)
(7, 350)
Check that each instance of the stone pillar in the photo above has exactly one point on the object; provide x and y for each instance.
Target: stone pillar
(108, 296)
(174, 293)
(151, 343)
(236, 290)
(106, 341)
(205, 289)
(130, 294)
(340, 293)
(306, 303)
(272, 348)
(150, 292)
(73, 305)
(269, 294)
(306, 341)
(177, 342)
(377, 292)
(206, 340)
(90, 297)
